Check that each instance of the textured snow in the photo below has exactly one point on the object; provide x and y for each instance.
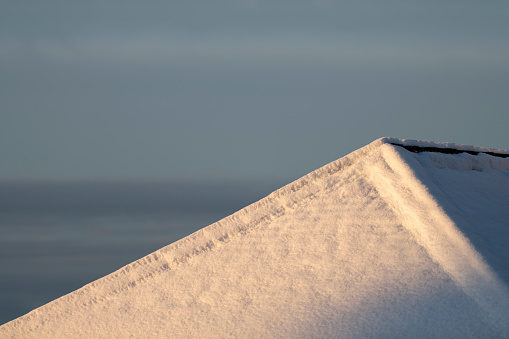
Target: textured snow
(380, 243)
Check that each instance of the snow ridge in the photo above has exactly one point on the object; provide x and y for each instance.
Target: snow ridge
(204, 240)
(401, 181)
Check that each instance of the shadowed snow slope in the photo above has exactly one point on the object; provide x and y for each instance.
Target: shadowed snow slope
(381, 243)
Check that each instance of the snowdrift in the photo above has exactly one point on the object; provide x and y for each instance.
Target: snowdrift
(385, 242)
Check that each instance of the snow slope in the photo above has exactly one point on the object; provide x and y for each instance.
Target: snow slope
(380, 243)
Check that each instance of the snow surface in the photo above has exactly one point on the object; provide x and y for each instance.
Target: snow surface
(380, 243)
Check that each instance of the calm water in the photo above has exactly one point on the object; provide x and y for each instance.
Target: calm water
(56, 237)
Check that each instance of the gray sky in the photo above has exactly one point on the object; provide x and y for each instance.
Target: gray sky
(241, 89)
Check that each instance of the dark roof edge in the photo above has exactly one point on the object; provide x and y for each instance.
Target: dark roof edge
(419, 149)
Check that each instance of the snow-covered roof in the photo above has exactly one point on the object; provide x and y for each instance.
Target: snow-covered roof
(384, 242)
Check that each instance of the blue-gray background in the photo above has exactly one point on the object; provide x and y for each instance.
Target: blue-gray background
(125, 125)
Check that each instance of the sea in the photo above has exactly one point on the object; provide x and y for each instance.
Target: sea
(57, 236)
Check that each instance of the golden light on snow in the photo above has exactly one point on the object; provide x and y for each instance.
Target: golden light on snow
(380, 243)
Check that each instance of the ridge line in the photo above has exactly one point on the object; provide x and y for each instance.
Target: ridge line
(198, 248)
(411, 196)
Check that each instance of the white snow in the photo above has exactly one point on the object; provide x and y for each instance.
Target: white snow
(380, 243)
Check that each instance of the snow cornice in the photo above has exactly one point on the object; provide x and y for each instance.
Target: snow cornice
(418, 146)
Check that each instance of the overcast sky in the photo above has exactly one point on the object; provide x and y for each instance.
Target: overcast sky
(241, 89)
